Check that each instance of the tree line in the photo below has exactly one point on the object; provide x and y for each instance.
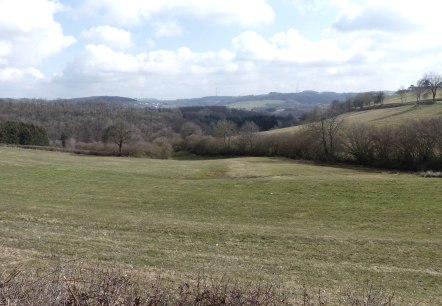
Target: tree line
(112, 128)
(412, 145)
(423, 92)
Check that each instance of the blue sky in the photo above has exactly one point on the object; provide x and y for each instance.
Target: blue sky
(169, 49)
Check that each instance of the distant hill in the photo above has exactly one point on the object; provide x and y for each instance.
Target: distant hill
(106, 99)
(93, 99)
(273, 103)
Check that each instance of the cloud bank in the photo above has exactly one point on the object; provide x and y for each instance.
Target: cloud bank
(176, 49)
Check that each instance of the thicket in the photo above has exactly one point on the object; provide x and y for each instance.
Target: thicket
(77, 284)
(413, 145)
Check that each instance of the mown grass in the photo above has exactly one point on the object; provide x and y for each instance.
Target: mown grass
(241, 218)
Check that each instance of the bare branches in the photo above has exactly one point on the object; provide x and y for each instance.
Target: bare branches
(431, 81)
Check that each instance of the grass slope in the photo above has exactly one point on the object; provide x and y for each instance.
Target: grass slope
(410, 97)
(242, 218)
(256, 104)
(394, 116)
(380, 117)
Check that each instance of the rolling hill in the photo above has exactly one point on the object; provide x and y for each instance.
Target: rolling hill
(381, 116)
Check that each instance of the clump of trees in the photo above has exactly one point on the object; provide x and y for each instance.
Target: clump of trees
(20, 133)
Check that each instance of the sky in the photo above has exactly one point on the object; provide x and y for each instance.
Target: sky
(169, 49)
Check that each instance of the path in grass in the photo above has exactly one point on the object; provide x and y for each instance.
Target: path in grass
(243, 218)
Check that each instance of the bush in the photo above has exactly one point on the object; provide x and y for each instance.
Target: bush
(77, 284)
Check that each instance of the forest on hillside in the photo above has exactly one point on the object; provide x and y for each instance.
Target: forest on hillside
(145, 131)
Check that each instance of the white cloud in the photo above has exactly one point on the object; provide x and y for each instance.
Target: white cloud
(101, 70)
(375, 18)
(28, 36)
(22, 82)
(109, 36)
(9, 74)
(99, 60)
(134, 12)
(28, 32)
(289, 47)
(317, 6)
(370, 45)
(168, 29)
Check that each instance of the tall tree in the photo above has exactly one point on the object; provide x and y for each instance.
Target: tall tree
(248, 135)
(379, 97)
(326, 129)
(432, 81)
(418, 90)
(118, 133)
(225, 129)
(402, 92)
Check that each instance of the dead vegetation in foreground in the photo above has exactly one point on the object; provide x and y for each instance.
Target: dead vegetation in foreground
(75, 284)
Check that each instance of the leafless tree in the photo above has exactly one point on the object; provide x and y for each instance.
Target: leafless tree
(189, 128)
(326, 128)
(359, 142)
(418, 91)
(379, 97)
(225, 129)
(402, 92)
(432, 81)
(248, 135)
(118, 133)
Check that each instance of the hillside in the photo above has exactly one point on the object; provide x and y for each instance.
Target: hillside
(382, 116)
(272, 102)
(244, 219)
(409, 97)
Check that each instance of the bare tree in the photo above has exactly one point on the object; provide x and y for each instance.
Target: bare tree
(359, 142)
(248, 135)
(118, 133)
(379, 97)
(402, 92)
(418, 91)
(189, 128)
(432, 81)
(326, 128)
(225, 129)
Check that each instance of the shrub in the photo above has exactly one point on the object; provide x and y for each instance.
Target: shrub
(77, 284)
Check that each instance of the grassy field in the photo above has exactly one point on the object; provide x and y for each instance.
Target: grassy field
(381, 117)
(254, 104)
(394, 116)
(410, 97)
(242, 218)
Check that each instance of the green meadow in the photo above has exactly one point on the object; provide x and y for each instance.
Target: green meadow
(245, 219)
